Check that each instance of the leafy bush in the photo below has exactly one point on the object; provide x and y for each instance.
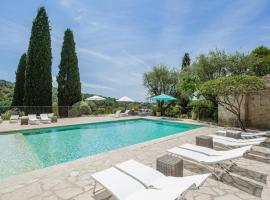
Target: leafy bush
(78, 109)
(173, 111)
(8, 113)
(84, 108)
(93, 106)
(204, 109)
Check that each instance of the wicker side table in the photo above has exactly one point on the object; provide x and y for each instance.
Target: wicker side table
(204, 141)
(170, 165)
(233, 134)
(24, 120)
(53, 119)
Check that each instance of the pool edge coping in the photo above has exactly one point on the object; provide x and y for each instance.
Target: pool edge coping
(130, 147)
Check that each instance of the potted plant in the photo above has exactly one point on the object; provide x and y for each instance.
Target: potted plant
(158, 112)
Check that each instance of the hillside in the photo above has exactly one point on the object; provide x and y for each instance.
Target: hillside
(6, 94)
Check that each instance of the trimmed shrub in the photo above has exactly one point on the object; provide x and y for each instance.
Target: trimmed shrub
(78, 109)
(55, 109)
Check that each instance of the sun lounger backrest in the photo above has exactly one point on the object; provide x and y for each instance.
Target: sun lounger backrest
(118, 183)
(118, 112)
(141, 172)
(32, 117)
(14, 117)
(44, 116)
(50, 114)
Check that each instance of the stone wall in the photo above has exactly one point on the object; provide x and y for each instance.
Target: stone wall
(255, 112)
(259, 110)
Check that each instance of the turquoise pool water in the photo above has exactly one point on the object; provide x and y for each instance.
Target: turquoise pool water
(47, 147)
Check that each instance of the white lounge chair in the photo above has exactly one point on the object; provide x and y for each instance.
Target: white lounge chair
(208, 151)
(126, 187)
(246, 134)
(254, 134)
(45, 119)
(125, 114)
(150, 177)
(14, 119)
(207, 158)
(116, 114)
(32, 119)
(232, 142)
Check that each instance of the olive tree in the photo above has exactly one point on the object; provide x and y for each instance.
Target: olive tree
(230, 92)
(161, 80)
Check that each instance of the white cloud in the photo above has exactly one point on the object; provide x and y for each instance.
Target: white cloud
(95, 86)
(66, 3)
(98, 55)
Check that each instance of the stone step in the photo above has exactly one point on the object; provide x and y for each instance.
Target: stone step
(265, 144)
(256, 157)
(251, 182)
(250, 174)
(262, 154)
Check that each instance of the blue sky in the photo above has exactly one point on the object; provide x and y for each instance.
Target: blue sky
(118, 40)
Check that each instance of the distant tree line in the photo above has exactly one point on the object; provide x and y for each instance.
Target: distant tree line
(33, 87)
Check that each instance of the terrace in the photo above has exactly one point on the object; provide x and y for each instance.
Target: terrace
(72, 180)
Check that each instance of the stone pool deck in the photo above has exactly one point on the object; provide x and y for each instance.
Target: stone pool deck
(72, 180)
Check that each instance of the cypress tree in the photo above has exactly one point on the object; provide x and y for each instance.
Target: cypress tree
(68, 79)
(185, 61)
(19, 84)
(38, 82)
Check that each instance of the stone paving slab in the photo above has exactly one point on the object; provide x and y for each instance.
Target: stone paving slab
(72, 180)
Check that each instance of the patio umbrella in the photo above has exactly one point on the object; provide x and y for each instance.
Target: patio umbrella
(125, 99)
(95, 98)
(163, 97)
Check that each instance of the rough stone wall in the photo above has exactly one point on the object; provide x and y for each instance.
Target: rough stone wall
(226, 118)
(259, 110)
(255, 112)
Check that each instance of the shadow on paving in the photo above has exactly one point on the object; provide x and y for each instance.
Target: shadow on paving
(248, 186)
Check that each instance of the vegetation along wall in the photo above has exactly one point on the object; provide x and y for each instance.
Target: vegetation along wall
(255, 111)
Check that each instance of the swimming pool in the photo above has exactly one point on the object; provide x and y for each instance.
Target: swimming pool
(35, 149)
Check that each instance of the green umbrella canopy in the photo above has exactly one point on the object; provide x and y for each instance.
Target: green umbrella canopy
(163, 97)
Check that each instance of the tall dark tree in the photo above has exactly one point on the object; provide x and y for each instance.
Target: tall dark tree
(69, 85)
(185, 61)
(20, 79)
(38, 81)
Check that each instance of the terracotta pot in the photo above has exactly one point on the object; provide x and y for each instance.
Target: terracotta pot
(193, 115)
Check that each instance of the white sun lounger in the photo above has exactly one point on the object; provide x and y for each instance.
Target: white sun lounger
(117, 113)
(32, 119)
(247, 134)
(125, 114)
(218, 162)
(232, 142)
(126, 187)
(211, 152)
(150, 177)
(14, 119)
(45, 119)
(254, 134)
